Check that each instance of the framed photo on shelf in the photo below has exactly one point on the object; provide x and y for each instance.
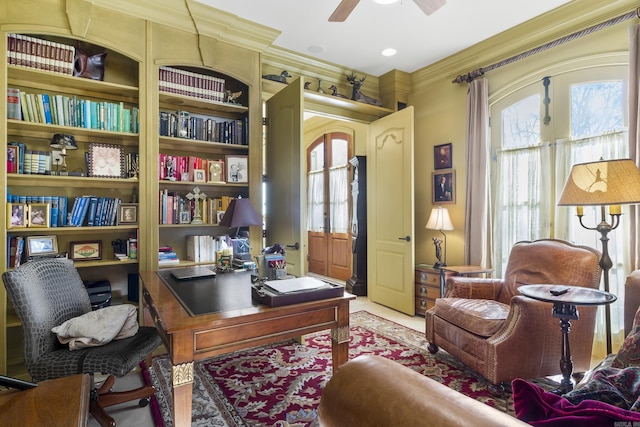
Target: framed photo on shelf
(127, 214)
(17, 215)
(442, 156)
(216, 171)
(39, 215)
(199, 176)
(85, 251)
(237, 169)
(444, 185)
(106, 161)
(185, 217)
(42, 245)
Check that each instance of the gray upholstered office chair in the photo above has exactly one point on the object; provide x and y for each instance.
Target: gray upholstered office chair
(46, 293)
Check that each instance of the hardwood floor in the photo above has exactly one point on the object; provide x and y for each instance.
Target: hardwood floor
(129, 414)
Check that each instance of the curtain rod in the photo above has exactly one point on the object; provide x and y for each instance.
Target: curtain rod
(469, 77)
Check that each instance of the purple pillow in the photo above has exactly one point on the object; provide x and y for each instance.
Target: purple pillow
(538, 407)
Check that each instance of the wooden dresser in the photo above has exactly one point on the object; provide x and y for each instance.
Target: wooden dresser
(427, 282)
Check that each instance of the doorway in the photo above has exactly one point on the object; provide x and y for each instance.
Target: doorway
(328, 210)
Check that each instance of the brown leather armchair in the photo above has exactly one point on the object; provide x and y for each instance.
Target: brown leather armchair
(494, 330)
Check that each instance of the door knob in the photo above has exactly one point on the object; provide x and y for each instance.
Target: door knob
(295, 246)
(407, 238)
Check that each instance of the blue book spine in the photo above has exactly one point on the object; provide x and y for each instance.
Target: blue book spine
(114, 211)
(82, 211)
(63, 202)
(74, 210)
(46, 102)
(91, 211)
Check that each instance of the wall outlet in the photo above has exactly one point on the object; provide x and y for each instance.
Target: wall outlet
(56, 157)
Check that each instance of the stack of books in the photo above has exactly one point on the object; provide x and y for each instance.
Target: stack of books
(167, 256)
(33, 52)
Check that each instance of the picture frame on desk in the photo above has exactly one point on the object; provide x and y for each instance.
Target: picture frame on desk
(17, 215)
(39, 215)
(106, 161)
(237, 169)
(199, 175)
(42, 245)
(88, 250)
(127, 214)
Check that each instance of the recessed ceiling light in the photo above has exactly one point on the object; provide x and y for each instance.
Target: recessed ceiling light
(316, 49)
(386, 1)
(388, 52)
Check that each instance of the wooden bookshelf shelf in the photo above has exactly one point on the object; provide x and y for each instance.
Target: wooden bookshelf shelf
(29, 180)
(23, 129)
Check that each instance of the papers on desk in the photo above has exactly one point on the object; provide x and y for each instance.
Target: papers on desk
(299, 284)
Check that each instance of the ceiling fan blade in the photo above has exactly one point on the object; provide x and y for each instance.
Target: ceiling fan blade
(343, 10)
(430, 6)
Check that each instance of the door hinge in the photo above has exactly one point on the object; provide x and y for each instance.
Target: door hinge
(264, 233)
(265, 121)
(264, 178)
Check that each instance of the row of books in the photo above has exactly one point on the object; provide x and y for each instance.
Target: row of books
(188, 83)
(204, 248)
(72, 111)
(15, 251)
(32, 52)
(177, 209)
(22, 160)
(57, 208)
(94, 211)
(167, 256)
(185, 168)
(204, 129)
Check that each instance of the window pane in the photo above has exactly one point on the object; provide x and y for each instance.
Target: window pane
(521, 123)
(317, 158)
(339, 152)
(596, 108)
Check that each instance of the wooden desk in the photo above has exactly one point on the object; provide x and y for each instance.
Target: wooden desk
(62, 402)
(247, 324)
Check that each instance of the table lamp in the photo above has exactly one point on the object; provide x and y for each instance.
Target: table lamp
(240, 213)
(440, 220)
(63, 142)
(602, 183)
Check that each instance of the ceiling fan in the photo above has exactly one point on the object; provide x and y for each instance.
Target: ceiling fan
(345, 8)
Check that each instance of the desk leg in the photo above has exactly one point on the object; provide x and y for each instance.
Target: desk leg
(182, 382)
(565, 312)
(340, 337)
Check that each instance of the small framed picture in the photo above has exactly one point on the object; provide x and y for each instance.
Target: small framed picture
(42, 245)
(199, 176)
(85, 251)
(106, 161)
(216, 171)
(127, 213)
(17, 215)
(444, 185)
(442, 156)
(185, 217)
(12, 159)
(39, 215)
(237, 168)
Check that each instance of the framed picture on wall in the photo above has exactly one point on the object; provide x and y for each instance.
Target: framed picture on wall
(442, 156)
(444, 187)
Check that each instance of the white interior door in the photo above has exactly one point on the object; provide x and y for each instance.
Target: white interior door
(390, 212)
(285, 174)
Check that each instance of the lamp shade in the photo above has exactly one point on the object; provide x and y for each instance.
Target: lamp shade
(63, 141)
(610, 182)
(240, 213)
(439, 219)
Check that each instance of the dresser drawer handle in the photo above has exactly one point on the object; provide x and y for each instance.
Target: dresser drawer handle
(423, 304)
(422, 291)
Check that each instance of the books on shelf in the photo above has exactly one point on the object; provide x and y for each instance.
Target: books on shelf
(206, 129)
(167, 256)
(188, 83)
(14, 106)
(32, 52)
(85, 210)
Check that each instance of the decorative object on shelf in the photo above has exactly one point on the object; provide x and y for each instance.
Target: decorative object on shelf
(17, 215)
(12, 159)
(359, 96)
(185, 217)
(199, 176)
(232, 97)
(133, 165)
(127, 214)
(106, 161)
(39, 215)
(42, 246)
(602, 183)
(440, 220)
(183, 123)
(307, 85)
(282, 77)
(89, 66)
(320, 90)
(63, 142)
(334, 92)
(89, 250)
(196, 196)
(132, 247)
(237, 168)
(444, 187)
(240, 213)
(442, 156)
(216, 171)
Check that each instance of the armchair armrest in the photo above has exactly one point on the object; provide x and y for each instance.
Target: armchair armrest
(473, 287)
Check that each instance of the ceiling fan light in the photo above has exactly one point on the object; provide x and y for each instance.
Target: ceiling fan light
(388, 52)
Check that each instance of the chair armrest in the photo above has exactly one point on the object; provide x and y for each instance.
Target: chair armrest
(473, 287)
(631, 299)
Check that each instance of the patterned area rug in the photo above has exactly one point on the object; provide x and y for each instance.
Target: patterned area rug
(281, 384)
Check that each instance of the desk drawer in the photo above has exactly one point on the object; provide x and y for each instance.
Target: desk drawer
(151, 315)
(428, 278)
(422, 305)
(427, 291)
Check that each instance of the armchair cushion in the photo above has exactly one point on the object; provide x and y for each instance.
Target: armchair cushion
(479, 316)
(629, 353)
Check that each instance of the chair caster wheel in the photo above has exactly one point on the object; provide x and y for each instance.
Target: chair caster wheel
(433, 349)
(144, 402)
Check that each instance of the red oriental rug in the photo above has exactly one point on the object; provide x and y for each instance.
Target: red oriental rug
(281, 384)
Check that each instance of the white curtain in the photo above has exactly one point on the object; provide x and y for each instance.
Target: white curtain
(634, 139)
(339, 203)
(477, 230)
(315, 201)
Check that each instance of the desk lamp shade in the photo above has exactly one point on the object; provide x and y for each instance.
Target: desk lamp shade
(240, 213)
(611, 182)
